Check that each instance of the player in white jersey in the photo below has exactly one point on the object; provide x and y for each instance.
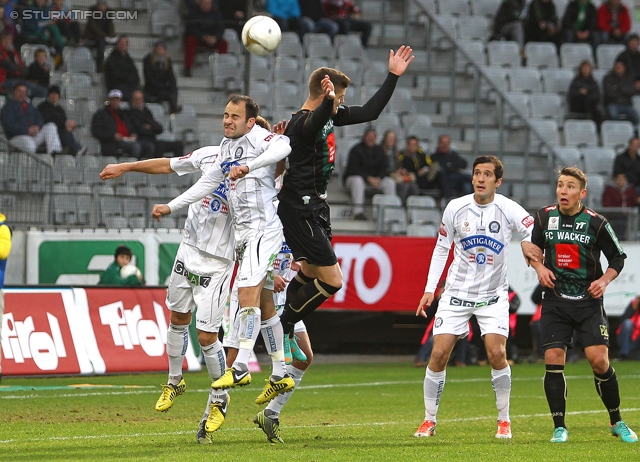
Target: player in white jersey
(479, 226)
(200, 277)
(247, 164)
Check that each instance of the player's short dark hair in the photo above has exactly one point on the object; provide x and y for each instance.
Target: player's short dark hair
(261, 121)
(498, 168)
(340, 81)
(576, 173)
(251, 107)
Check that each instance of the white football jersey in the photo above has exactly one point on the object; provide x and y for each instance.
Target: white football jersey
(208, 226)
(250, 198)
(481, 234)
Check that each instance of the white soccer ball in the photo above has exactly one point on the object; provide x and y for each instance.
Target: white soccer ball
(261, 35)
(128, 270)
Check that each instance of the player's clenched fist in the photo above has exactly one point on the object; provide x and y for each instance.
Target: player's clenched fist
(160, 210)
(111, 171)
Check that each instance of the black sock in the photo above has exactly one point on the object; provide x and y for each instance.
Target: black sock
(297, 283)
(607, 388)
(307, 299)
(555, 387)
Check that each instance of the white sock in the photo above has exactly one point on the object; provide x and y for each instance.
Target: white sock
(247, 336)
(277, 403)
(433, 386)
(215, 359)
(273, 336)
(501, 381)
(177, 341)
(213, 396)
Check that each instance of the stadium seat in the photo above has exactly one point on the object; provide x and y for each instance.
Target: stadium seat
(504, 54)
(234, 44)
(81, 60)
(546, 106)
(184, 125)
(424, 132)
(548, 130)
(79, 189)
(311, 64)
(85, 208)
(454, 7)
(158, 181)
(474, 28)
(287, 69)
(289, 47)
(616, 133)
(154, 191)
(580, 133)
(499, 79)
(572, 54)
(88, 161)
(487, 8)
(64, 209)
(402, 101)
(340, 39)
(125, 190)
(260, 69)
(286, 96)
(138, 222)
(541, 55)
(391, 217)
(72, 175)
(595, 188)
(568, 157)
(64, 161)
(374, 77)
(135, 208)
(353, 70)
(111, 206)
(352, 51)
(557, 80)
(226, 71)
(519, 101)
(422, 230)
(76, 85)
(261, 94)
(59, 188)
(598, 160)
(320, 50)
(606, 55)
(438, 39)
(165, 22)
(525, 80)
(475, 49)
(116, 222)
(422, 210)
(316, 39)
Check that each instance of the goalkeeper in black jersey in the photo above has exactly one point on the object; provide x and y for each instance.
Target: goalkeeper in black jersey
(303, 209)
(572, 237)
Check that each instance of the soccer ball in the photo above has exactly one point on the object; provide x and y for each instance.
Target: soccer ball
(128, 270)
(261, 35)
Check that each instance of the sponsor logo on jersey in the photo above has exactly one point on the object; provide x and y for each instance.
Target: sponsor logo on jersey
(494, 227)
(527, 221)
(466, 227)
(553, 223)
(580, 226)
(438, 322)
(568, 256)
(482, 241)
(331, 147)
(443, 230)
(194, 279)
(604, 331)
(567, 225)
(269, 137)
(481, 258)
(469, 304)
(285, 248)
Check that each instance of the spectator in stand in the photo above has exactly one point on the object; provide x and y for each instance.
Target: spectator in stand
(419, 167)
(120, 71)
(52, 111)
(23, 124)
(44, 31)
(112, 127)
(204, 27)
(347, 15)
(628, 332)
(614, 22)
(287, 14)
(619, 88)
(148, 128)
(507, 23)
(584, 94)
(534, 325)
(159, 79)
(313, 14)
(620, 193)
(631, 58)
(367, 166)
(579, 23)
(234, 14)
(451, 166)
(541, 24)
(99, 31)
(628, 162)
(405, 182)
(69, 28)
(13, 70)
(6, 20)
(111, 276)
(39, 72)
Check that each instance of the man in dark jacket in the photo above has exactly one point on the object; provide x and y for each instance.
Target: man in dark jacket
(120, 71)
(204, 27)
(631, 58)
(13, 70)
(112, 127)
(542, 22)
(234, 14)
(159, 79)
(148, 128)
(507, 22)
(52, 111)
(100, 30)
(579, 22)
(367, 166)
(451, 166)
(312, 13)
(619, 88)
(23, 124)
(628, 162)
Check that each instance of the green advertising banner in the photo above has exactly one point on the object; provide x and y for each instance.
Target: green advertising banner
(166, 256)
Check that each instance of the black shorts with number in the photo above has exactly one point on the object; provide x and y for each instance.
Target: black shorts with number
(308, 233)
(559, 323)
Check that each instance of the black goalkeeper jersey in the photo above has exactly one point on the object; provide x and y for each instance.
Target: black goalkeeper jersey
(572, 246)
(313, 147)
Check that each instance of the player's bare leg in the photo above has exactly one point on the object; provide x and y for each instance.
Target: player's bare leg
(496, 346)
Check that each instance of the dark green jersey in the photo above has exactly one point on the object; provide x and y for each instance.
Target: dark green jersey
(572, 247)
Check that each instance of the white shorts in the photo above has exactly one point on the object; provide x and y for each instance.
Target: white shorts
(256, 251)
(454, 313)
(199, 280)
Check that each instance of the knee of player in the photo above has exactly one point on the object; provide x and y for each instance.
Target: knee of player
(180, 319)
(207, 338)
(600, 364)
(496, 352)
(439, 359)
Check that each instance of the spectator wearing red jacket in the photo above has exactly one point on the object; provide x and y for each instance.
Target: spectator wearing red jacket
(620, 193)
(614, 22)
(347, 15)
(628, 332)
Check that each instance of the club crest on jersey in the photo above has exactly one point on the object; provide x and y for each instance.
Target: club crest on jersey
(528, 221)
(553, 223)
(494, 227)
(214, 206)
(239, 152)
(481, 258)
(438, 322)
(482, 241)
(466, 227)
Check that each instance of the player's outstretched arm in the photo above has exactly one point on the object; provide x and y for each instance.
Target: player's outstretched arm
(151, 166)
(400, 60)
(425, 302)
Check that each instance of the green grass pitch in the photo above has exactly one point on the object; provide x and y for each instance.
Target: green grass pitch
(341, 412)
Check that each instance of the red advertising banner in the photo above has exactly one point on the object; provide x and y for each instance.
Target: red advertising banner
(37, 337)
(381, 273)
